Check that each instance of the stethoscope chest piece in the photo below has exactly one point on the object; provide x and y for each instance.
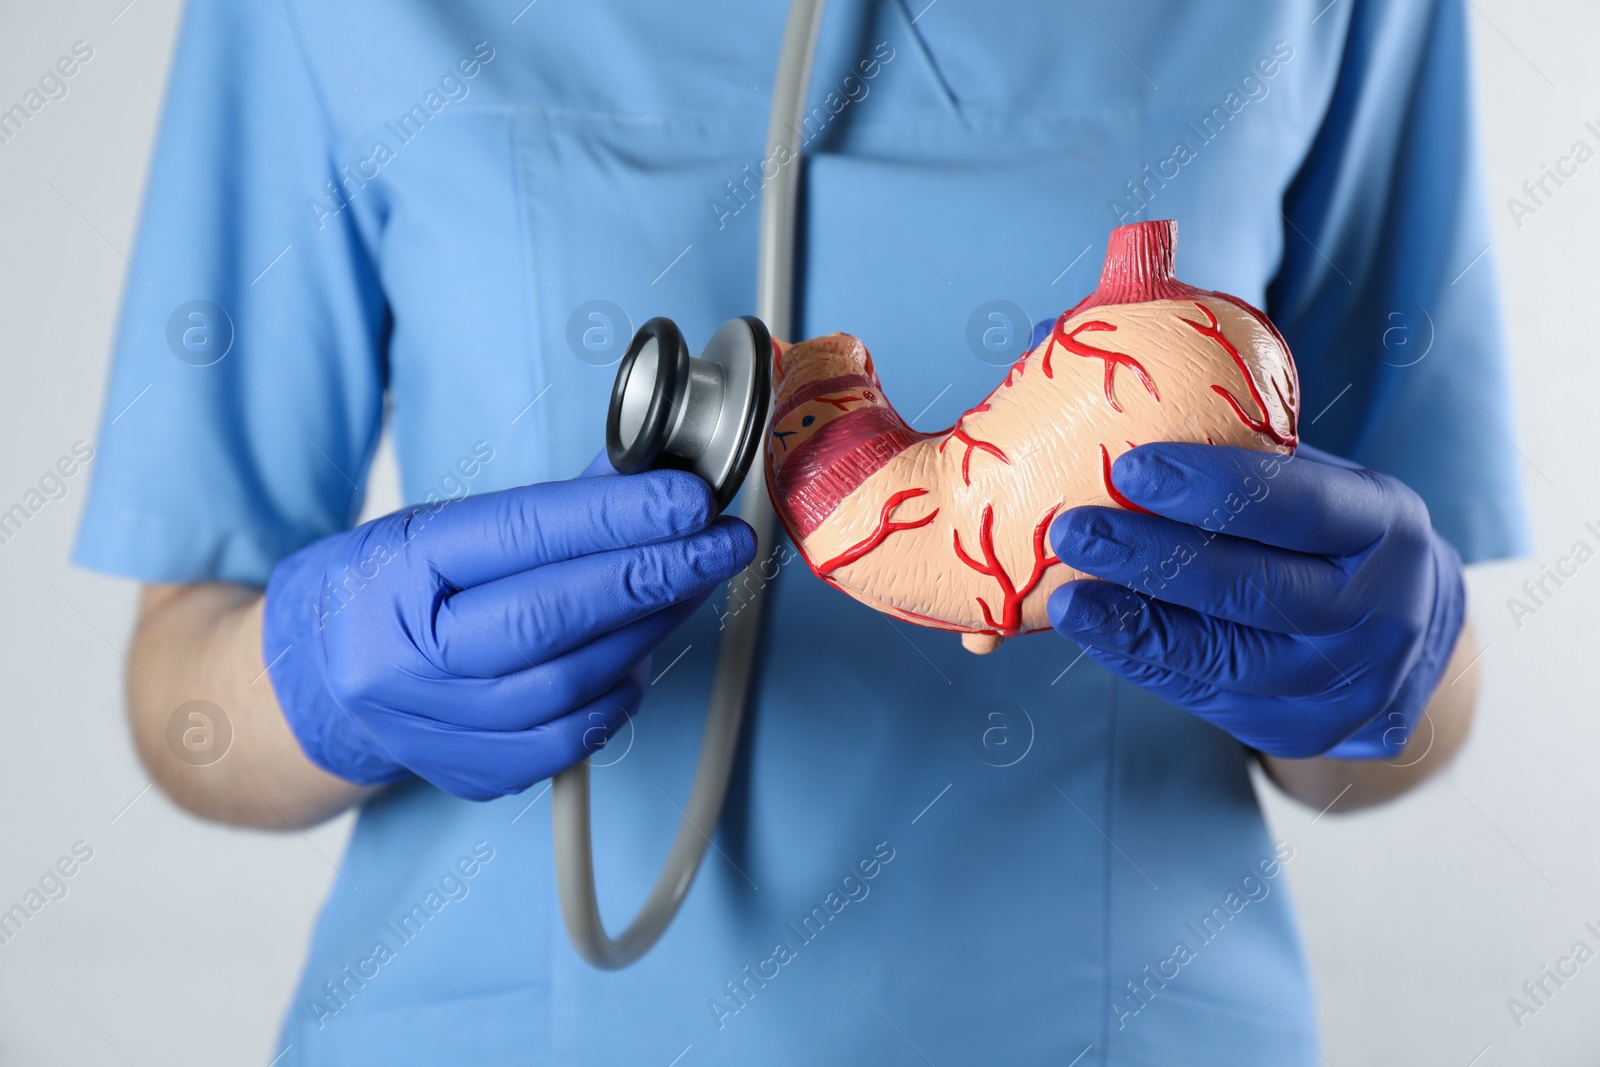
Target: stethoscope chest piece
(704, 414)
(708, 416)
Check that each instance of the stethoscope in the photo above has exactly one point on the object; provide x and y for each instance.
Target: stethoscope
(707, 415)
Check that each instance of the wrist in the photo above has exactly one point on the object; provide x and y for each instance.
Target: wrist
(292, 622)
(1387, 735)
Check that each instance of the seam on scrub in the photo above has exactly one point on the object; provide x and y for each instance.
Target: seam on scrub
(366, 244)
(927, 56)
(971, 112)
(1104, 1030)
(634, 117)
(521, 160)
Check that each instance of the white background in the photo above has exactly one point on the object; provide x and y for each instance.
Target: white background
(179, 941)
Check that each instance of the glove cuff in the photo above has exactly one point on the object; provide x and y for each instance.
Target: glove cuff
(1387, 735)
(291, 645)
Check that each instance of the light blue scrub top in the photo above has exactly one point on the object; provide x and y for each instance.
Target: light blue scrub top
(884, 888)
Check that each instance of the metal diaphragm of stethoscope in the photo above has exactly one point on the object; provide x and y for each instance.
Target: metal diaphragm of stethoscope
(707, 415)
(704, 415)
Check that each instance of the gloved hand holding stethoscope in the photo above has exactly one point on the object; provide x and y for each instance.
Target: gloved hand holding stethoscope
(488, 643)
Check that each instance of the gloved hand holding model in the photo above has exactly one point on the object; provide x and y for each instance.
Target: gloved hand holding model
(497, 640)
(1304, 605)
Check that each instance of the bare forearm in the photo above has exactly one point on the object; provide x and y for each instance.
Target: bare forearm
(203, 642)
(1346, 785)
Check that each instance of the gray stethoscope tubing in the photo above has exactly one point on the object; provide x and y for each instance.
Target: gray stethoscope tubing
(730, 689)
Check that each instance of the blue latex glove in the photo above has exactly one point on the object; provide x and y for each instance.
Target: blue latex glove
(487, 643)
(1041, 330)
(1305, 605)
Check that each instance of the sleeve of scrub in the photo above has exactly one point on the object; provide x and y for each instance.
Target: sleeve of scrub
(246, 389)
(1387, 292)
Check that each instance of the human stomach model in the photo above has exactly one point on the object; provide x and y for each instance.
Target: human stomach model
(949, 529)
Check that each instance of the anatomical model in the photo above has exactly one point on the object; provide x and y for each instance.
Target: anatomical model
(949, 529)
